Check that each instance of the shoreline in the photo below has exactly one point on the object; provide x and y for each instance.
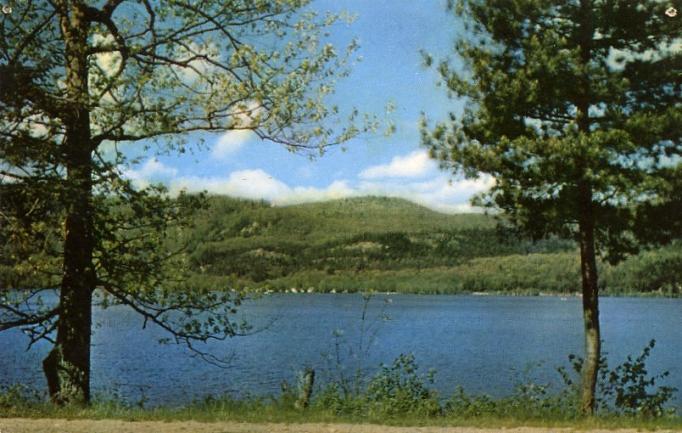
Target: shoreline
(510, 294)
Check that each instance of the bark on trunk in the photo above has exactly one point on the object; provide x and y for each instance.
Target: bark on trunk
(67, 366)
(586, 222)
(588, 265)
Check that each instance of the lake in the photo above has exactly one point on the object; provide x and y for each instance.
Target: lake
(486, 344)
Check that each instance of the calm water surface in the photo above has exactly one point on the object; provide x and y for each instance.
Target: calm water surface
(484, 343)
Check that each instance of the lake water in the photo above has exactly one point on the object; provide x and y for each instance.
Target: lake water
(486, 344)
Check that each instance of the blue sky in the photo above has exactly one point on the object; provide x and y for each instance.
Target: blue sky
(391, 34)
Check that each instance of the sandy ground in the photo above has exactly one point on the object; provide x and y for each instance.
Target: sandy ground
(22, 425)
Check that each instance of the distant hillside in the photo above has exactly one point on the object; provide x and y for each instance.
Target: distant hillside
(351, 216)
(376, 243)
(350, 244)
(390, 244)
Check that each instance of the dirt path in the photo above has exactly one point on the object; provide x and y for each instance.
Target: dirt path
(23, 425)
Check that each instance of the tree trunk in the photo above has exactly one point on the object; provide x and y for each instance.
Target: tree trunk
(588, 266)
(67, 366)
(588, 262)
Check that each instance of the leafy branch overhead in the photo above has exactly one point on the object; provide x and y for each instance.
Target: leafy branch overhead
(169, 67)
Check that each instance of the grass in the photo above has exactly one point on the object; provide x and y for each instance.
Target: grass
(278, 411)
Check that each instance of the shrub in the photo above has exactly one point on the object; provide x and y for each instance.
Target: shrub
(395, 390)
(400, 389)
(627, 389)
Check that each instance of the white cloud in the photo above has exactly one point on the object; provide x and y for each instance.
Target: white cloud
(412, 177)
(35, 125)
(229, 143)
(336, 190)
(253, 184)
(259, 185)
(199, 57)
(438, 193)
(154, 168)
(245, 115)
(415, 164)
(108, 62)
(151, 170)
(248, 114)
(617, 58)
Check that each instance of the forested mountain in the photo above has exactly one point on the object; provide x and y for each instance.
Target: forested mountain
(389, 244)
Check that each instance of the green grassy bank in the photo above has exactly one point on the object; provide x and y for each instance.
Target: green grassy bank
(273, 413)
(401, 393)
(489, 413)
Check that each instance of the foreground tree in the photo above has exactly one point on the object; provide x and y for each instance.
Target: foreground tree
(76, 79)
(574, 108)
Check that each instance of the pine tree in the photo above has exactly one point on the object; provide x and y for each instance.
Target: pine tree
(574, 108)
